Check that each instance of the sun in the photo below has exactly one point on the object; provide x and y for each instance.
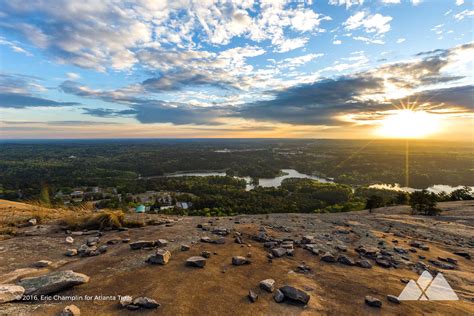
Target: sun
(406, 123)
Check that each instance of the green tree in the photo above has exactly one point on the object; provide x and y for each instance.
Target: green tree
(374, 201)
(424, 203)
(461, 194)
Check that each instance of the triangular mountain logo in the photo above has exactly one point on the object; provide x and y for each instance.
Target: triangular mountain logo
(428, 289)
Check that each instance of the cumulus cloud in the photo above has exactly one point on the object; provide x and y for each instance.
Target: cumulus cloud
(347, 3)
(376, 23)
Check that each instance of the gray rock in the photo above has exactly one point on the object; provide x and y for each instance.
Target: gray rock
(161, 243)
(278, 296)
(196, 261)
(162, 257)
(464, 254)
(364, 264)
(267, 285)
(52, 282)
(142, 244)
(345, 260)
(185, 247)
(252, 296)
(278, 252)
(102, 249)
(92, 241)
(145, 302)
(394, 299)
(328, 257)
(240, 260)
(373, 302)
(126, 300)
(10, 292)
(295, 295)
(383, 263)
(205, 239)
(42, 264)
(206, 254)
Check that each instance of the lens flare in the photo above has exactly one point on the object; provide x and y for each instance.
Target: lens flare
(408, 123)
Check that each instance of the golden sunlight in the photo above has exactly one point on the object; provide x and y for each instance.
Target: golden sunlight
(408, 123)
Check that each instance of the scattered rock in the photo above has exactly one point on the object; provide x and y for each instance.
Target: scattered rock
(92, 241)
(383, 263)
(373, 302)
(252, 296)
(145, 302)
(70, 310)
(240, 260)
(42, 264)
(185, 247)
(10, 292)
(463, 254)
(71, 252)
(394, 299)
(267, 285)
(345, 260)
(278, 252)
(142, 244)
(206, 254)
(328, 257)
(161, 243)
(69, 240)
(278, 296)
(126, 300)
(205, 239)
(295, 295)
(238, 240)
(32, 222)
(52, 282)
(162, 257)
(196, 261)
(364, 264)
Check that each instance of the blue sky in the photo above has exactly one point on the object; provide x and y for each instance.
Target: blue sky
(326, 68)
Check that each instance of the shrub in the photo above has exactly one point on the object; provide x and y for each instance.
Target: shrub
(424, 203)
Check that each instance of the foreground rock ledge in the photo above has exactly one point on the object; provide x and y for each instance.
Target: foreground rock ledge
(10, 292)
(52, 282)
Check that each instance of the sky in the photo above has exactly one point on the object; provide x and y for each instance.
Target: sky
(195, 69)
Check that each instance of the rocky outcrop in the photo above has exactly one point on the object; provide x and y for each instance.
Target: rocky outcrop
(52, 282)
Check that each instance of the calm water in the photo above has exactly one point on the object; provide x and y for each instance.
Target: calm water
(292, 173)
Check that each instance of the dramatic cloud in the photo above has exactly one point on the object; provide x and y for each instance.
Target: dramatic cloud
(19, 101)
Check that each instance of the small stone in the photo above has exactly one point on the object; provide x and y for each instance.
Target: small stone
(70, 310)
(185, 247)
(267, 285)
(240, 260)
(296, 295)
(196, 261)
(364, 264)
(205, 239)
(373, 302)
(71, 252)
(238, 240)
(142, 244)
(252, 296)
(92, 241)
(162, 242)
(42, 264)
(162, 257)
(345, 260)
(328, 257)
(10, 292)
(126, 240)
(404, 281)
(146, 302)
(394, 299)
(69, 240)
(126, 300)
(206, 254)
(278, 252)
(32, 222)
(278, 296)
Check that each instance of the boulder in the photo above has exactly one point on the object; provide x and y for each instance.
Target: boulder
(295, 295)
(10, 292)
(196, 261)
(162, 257)
(145, 302)
(328, 257)
(70, 310)
(278, 296)
(373, 302)
(142, 244)
(252, 296)
(240, 260)
(278, 252)
(52, 282)
(267, 285)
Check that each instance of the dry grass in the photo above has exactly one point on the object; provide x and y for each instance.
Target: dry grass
(102, 220)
